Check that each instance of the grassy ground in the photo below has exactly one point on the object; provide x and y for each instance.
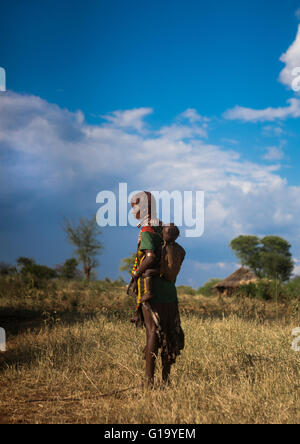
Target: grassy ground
(73, 357)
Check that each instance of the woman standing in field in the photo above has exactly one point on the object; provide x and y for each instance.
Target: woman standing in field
(157, 303)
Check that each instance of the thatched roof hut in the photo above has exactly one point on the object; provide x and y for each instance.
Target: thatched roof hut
(240, 277)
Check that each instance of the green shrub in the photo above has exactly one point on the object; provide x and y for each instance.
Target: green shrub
(247, 290)
(69, 270)
(7, 269)
(207, 288)
(185, 289)
(267, 289)
(292, 288)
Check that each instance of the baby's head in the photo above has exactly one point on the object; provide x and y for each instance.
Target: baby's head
(170, 233)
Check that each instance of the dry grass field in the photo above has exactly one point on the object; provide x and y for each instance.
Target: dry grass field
(73, 357)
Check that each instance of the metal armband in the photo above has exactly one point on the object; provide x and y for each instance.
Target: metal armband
(150, 254)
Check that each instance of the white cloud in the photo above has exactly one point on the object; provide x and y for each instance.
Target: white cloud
(194, 128)
(179, 132)
(268, 114)
(289, 76)
(132, 118)
(230, 141)
(44, 148)
(192, 115)
(274, 153)
(270, 130)
(213, 265)
(297, 14)
(291, 58)
(296, 271)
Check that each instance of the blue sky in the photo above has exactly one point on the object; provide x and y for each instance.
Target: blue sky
(166, 95)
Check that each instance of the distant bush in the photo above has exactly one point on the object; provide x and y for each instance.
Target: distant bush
(7, 269)
(292, 288)
(37, 276)
(69, 270)
(185, 289)
(33, 274)
(107, 283)
(207, 288)
(39, 271)
(247, 290)
(264, 289)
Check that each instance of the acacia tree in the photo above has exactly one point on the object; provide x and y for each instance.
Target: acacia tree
(276, 258)
(127, 263)
(84, 238)
(268, 257)
(247, 250)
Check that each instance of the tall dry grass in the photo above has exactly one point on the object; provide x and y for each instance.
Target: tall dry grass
(235, 368)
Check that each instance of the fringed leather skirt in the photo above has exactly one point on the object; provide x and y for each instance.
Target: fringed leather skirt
(168, 328)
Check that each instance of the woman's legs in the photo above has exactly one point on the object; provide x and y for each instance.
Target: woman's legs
(168, 338)
(151, 345)
(166, 368)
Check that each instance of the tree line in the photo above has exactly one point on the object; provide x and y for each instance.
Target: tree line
(268, 257)
(83, 236)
